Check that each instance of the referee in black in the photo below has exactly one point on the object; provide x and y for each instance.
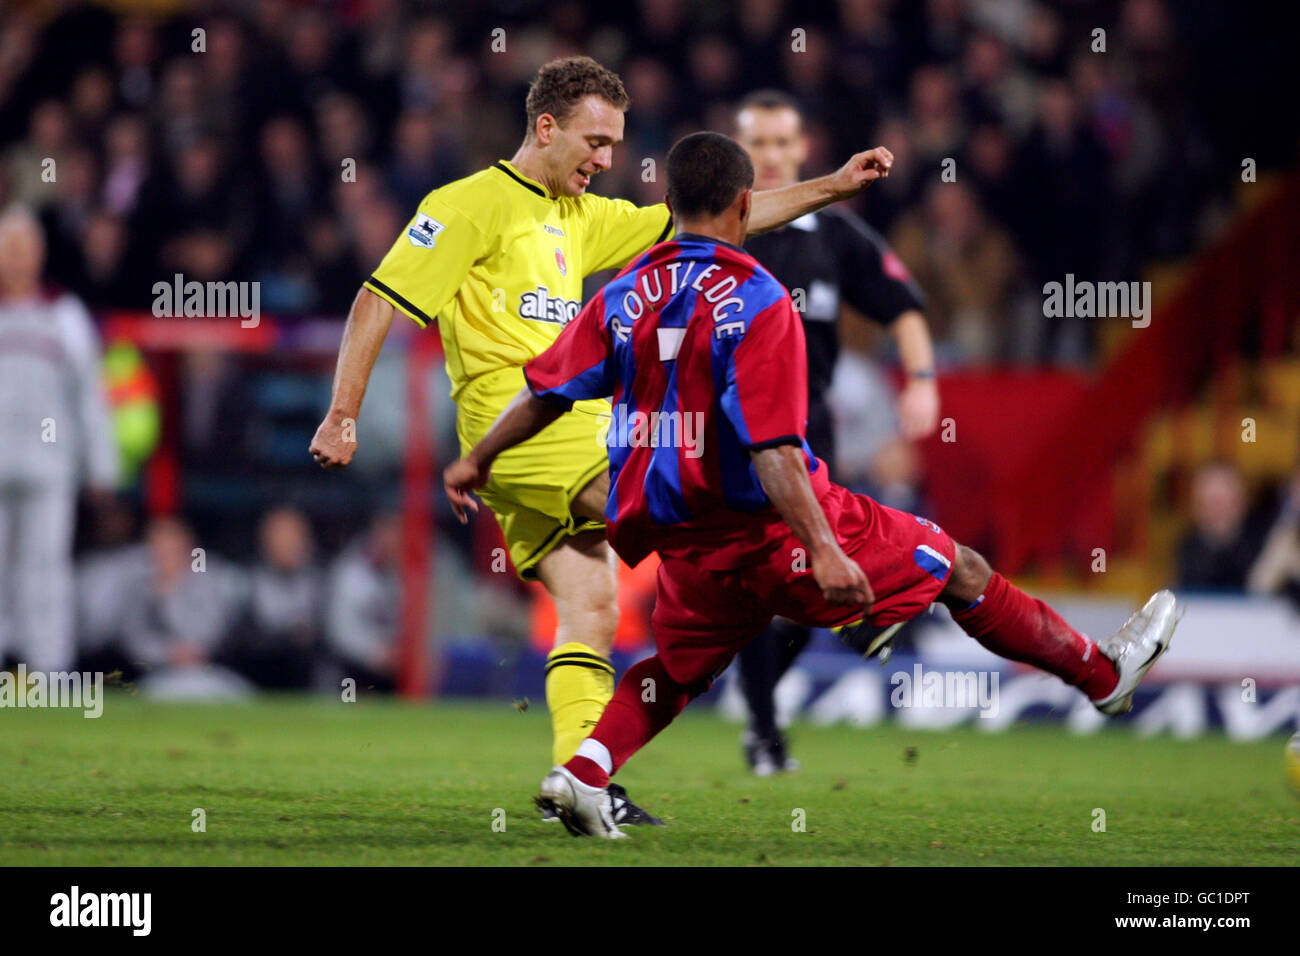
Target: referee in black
(830, 256)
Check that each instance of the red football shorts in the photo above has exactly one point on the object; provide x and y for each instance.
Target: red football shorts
(703, 617)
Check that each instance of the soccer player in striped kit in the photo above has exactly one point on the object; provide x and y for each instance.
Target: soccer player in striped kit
(746, 521)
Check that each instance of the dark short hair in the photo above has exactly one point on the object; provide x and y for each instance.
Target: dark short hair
(769, 100)
(560, 85)
(706, 172)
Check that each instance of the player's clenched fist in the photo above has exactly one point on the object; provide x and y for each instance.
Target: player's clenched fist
(335, 442)
(862, 170)
(842, 580)
(460, 478)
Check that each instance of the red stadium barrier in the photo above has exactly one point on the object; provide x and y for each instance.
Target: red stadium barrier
(415, 675)
(1045, 487)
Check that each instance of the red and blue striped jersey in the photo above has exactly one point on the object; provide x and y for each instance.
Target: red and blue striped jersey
(703, 353)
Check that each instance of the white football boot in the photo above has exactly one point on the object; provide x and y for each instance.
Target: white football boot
(1135, 647)
(584, 810)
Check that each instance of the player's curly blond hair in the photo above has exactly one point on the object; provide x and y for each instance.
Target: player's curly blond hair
(561, 84)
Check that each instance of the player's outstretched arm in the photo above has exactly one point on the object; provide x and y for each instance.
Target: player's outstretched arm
(918, 403)
(775, 207)
(523, 418)
(784, 476)
(368, 322)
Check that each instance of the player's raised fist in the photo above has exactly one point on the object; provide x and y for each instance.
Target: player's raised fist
(460, 478)
(335, 442)
(861, 171)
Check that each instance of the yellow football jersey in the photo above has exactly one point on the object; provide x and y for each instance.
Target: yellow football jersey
(499, 263)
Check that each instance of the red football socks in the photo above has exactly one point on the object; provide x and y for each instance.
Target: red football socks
(1018, 627)
(645, 702)
(1004, 619)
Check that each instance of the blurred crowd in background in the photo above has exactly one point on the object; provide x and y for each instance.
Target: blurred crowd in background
(288, 619)
(227, 164)
(237, 162)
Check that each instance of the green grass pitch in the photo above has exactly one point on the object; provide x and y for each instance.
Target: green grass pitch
(298, 781)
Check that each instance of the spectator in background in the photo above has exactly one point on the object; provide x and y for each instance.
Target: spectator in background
(313, 56)
(1041, 40)
(1277, 569)
(92, 100)
(938, 125)
(372, 235)
(651, 87)
(55, 438)
(178, 107)
(365, 602)
(32, 165)
(135, 56)
(870, 56)
(203, 224)
(20, 42)
(996, 90)
(429, 46)
(905, 187)
(810, 77)
(967, 266)
(279, 637)
(290, 185)
(990, 160)
(713, 71)
(664, 29)
(1059, 172)
(344, 131)
(115, 569)
(1217, 552)
(126, 164)
(333, 272)
(65, 221)
(944, 26)
(380, 36)
(177, 620)
(104, 273)
(420, 159)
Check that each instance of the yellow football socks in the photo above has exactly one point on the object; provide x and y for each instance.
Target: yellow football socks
(579, 683)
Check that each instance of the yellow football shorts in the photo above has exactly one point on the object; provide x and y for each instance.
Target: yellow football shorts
(532, 486)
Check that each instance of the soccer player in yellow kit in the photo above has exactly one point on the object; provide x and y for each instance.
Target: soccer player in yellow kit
(497, 259)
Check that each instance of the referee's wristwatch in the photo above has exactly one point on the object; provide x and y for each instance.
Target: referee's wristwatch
(922, 374)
